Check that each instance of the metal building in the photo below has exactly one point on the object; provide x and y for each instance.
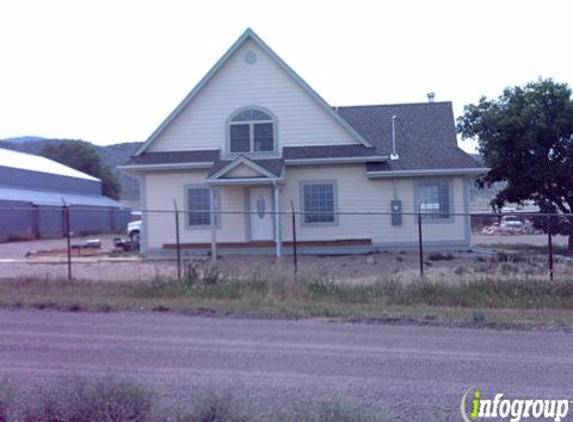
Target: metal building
(35, 190)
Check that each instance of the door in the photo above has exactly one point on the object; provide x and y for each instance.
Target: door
(261, 206)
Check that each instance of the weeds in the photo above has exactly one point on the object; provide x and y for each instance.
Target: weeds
(113, 399)
(440, 257)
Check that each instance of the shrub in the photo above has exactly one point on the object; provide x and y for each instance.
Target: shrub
(90, 400)
(440, 257)
(198, 272)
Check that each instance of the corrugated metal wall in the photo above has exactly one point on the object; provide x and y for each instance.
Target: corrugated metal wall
(23, 220)
(16, 220)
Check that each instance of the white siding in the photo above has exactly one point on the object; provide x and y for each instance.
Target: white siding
(163, 188)
(301, 120)
(354, 193)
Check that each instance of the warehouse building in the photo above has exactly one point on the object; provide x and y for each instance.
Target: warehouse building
(34, 194)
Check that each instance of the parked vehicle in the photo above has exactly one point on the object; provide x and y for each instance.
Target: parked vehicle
(134, 230)
(512, 221)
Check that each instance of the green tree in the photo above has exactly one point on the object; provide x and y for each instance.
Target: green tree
(525, 137)
(82, 156)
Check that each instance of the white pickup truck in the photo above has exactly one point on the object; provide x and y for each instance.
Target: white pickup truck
(134, 230)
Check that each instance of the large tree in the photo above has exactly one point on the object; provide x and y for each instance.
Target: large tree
(82, 156)
(526, 137)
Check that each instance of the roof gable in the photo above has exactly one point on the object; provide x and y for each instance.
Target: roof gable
(243, 167)
(250, 36)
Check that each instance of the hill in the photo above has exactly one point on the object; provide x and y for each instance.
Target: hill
(111, 156)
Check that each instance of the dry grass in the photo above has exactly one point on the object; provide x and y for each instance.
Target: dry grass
(113, 399)
(507, 290)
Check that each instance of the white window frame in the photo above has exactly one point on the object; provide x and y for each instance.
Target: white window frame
(251, 124)
(188, 210)
(438, 216)
(334, 185)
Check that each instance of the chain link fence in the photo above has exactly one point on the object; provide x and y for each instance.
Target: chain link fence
(88, 243)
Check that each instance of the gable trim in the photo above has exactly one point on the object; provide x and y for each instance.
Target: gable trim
(432, 172)
(242, 160)
(249, 33)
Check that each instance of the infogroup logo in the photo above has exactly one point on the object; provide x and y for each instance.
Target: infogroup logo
(474, 407)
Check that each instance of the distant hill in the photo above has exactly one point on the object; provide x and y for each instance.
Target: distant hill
(24, 139)
(111, 156)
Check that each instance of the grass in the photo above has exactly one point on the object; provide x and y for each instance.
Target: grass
(526, 248)
(113, 399)
(486, 299)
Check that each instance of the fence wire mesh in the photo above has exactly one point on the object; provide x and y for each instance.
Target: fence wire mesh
(95, 244)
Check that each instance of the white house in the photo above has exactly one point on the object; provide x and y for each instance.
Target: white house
(253, 137)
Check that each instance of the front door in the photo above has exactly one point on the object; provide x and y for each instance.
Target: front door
(261, 206)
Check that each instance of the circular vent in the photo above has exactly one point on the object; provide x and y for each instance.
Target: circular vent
(250, 57)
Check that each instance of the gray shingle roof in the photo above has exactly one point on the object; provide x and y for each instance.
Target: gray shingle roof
(175, 157)
(425, 135)
(328, 151)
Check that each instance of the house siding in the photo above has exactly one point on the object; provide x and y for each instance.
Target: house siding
(301, 120)
(163, 188)
(355, 193)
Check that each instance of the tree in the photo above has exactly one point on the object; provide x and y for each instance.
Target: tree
(82, 156)
(526, 138)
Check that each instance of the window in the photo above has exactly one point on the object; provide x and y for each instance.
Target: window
(318, 199)
(434, 199)
(251, 131)
(199, 206)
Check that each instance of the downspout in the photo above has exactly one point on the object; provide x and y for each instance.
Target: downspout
(278, 239)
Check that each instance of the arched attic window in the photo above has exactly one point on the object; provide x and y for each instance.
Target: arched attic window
(252, 131)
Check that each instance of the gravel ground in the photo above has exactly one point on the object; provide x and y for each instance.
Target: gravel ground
(414, 373)
(350, 268)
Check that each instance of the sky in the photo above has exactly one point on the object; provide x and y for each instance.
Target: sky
(111, 71)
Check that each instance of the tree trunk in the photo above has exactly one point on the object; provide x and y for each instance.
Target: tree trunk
(570, 241)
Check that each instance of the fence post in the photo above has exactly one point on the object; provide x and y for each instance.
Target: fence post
(550, 245)
(420, 242)
(213, 226)
(66, 210)
(294, 251)
(177, 239)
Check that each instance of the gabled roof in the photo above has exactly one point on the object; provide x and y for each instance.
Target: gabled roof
(22, 161)
(249, 34)
(174, 157)
(425, 135)
(328, 151)
(55, 198)
(270, 168)
(425, 140)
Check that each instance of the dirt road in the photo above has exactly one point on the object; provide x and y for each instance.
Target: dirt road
(415, 373)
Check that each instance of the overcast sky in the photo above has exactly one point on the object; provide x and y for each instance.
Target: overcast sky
(111, 71)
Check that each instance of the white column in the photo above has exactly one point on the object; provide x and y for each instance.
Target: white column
(213, 226)
(278, 234)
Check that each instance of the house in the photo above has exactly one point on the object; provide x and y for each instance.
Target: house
(33, 191)
(253, 140)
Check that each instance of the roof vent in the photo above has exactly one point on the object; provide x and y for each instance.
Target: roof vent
(431, 96)
(394, 156)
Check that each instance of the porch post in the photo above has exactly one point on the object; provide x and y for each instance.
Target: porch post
(213, 225)
(278, 234)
